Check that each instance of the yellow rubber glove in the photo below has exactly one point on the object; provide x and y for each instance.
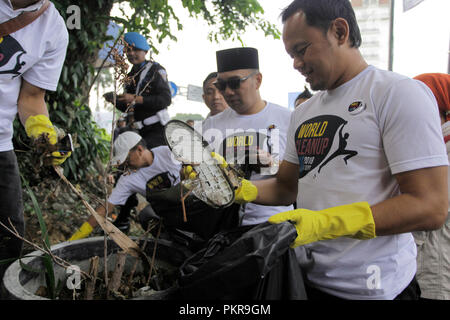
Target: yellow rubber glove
(351, 220)
(40, 124)
(189, 173)
(59, 158)
(83, 232)
(247, 192)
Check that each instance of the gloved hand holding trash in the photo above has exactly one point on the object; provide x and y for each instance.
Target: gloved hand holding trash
(246, 192)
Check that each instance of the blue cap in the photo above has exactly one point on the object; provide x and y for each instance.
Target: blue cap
(136, 40)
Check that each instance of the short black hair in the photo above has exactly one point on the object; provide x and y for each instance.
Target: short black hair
(141, 143)
(320, 14)
(209, 77)
(306, 94)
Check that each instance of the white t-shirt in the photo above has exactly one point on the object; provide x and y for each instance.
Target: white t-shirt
(164, 172)
(349, 142)
(267, 129)
(36, 53)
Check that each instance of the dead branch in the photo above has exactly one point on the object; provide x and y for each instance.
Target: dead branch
(114, 284)
(154, 254)
(133, 270)
(58, 260)
(90, 283)
(124, 242)
(183, 197)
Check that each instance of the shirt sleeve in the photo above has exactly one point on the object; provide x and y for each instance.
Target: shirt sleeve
(45, 73)
(122, 191)
(410, 127)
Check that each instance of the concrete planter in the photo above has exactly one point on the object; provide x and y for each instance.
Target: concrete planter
(21, 284)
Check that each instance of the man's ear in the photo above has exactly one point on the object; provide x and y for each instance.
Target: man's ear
(140, 149)
(258, 79)
(340, 30)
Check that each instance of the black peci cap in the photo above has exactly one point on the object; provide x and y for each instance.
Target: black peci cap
(237, 58)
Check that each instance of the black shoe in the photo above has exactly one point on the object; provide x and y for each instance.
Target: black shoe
(123, 225)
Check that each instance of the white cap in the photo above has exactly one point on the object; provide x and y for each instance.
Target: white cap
(123, 144)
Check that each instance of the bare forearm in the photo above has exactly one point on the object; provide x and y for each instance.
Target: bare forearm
(31, 101)
(271, 192)
(422, 204)
(280, 190)
(406, 213)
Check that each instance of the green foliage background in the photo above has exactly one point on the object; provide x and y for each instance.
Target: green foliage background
(156, 19)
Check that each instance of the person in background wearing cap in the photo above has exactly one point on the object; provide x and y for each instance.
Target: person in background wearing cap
(365, 160)
(149, 169)
(302, 97)
(433, 247)
(31, 60)
(148, 95)
(212, 96)
(251, 132)
(145, 100)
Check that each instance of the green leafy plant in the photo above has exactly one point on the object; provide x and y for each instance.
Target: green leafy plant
(47, 259)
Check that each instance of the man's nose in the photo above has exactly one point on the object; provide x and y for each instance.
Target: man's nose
(298, 63)
(217, 95)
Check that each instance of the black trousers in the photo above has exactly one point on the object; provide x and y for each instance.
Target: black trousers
(11, 207)
(153, 135)
(411, 292)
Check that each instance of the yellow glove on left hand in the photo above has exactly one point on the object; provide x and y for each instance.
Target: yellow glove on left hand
(352, 220)
(41, 124)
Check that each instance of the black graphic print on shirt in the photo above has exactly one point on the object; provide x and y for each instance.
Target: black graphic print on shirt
(241, 149)
(314, 139)
(10, 56)
(161, 181)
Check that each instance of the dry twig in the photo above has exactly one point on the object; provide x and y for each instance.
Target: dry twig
(58, 260)
(125, 243)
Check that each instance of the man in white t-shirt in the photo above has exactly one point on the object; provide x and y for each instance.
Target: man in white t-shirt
(365, 161)
(31, 59)
(151, 169)
(251, 132)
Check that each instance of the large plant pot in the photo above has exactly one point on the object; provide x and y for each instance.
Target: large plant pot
(22, 284)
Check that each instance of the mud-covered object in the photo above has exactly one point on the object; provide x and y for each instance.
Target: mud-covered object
(202, 220)
(249, 262)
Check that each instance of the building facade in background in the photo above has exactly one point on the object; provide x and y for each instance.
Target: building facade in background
(374, 19)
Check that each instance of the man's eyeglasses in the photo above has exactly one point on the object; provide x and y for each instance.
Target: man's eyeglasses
(233, 83)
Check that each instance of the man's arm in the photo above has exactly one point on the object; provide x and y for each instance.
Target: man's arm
(101, 210)
(31, 101)
(280, 190)
(88, 226)
(422, 204)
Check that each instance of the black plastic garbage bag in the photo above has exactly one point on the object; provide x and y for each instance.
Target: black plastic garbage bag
(249, 262)
(202, 222)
